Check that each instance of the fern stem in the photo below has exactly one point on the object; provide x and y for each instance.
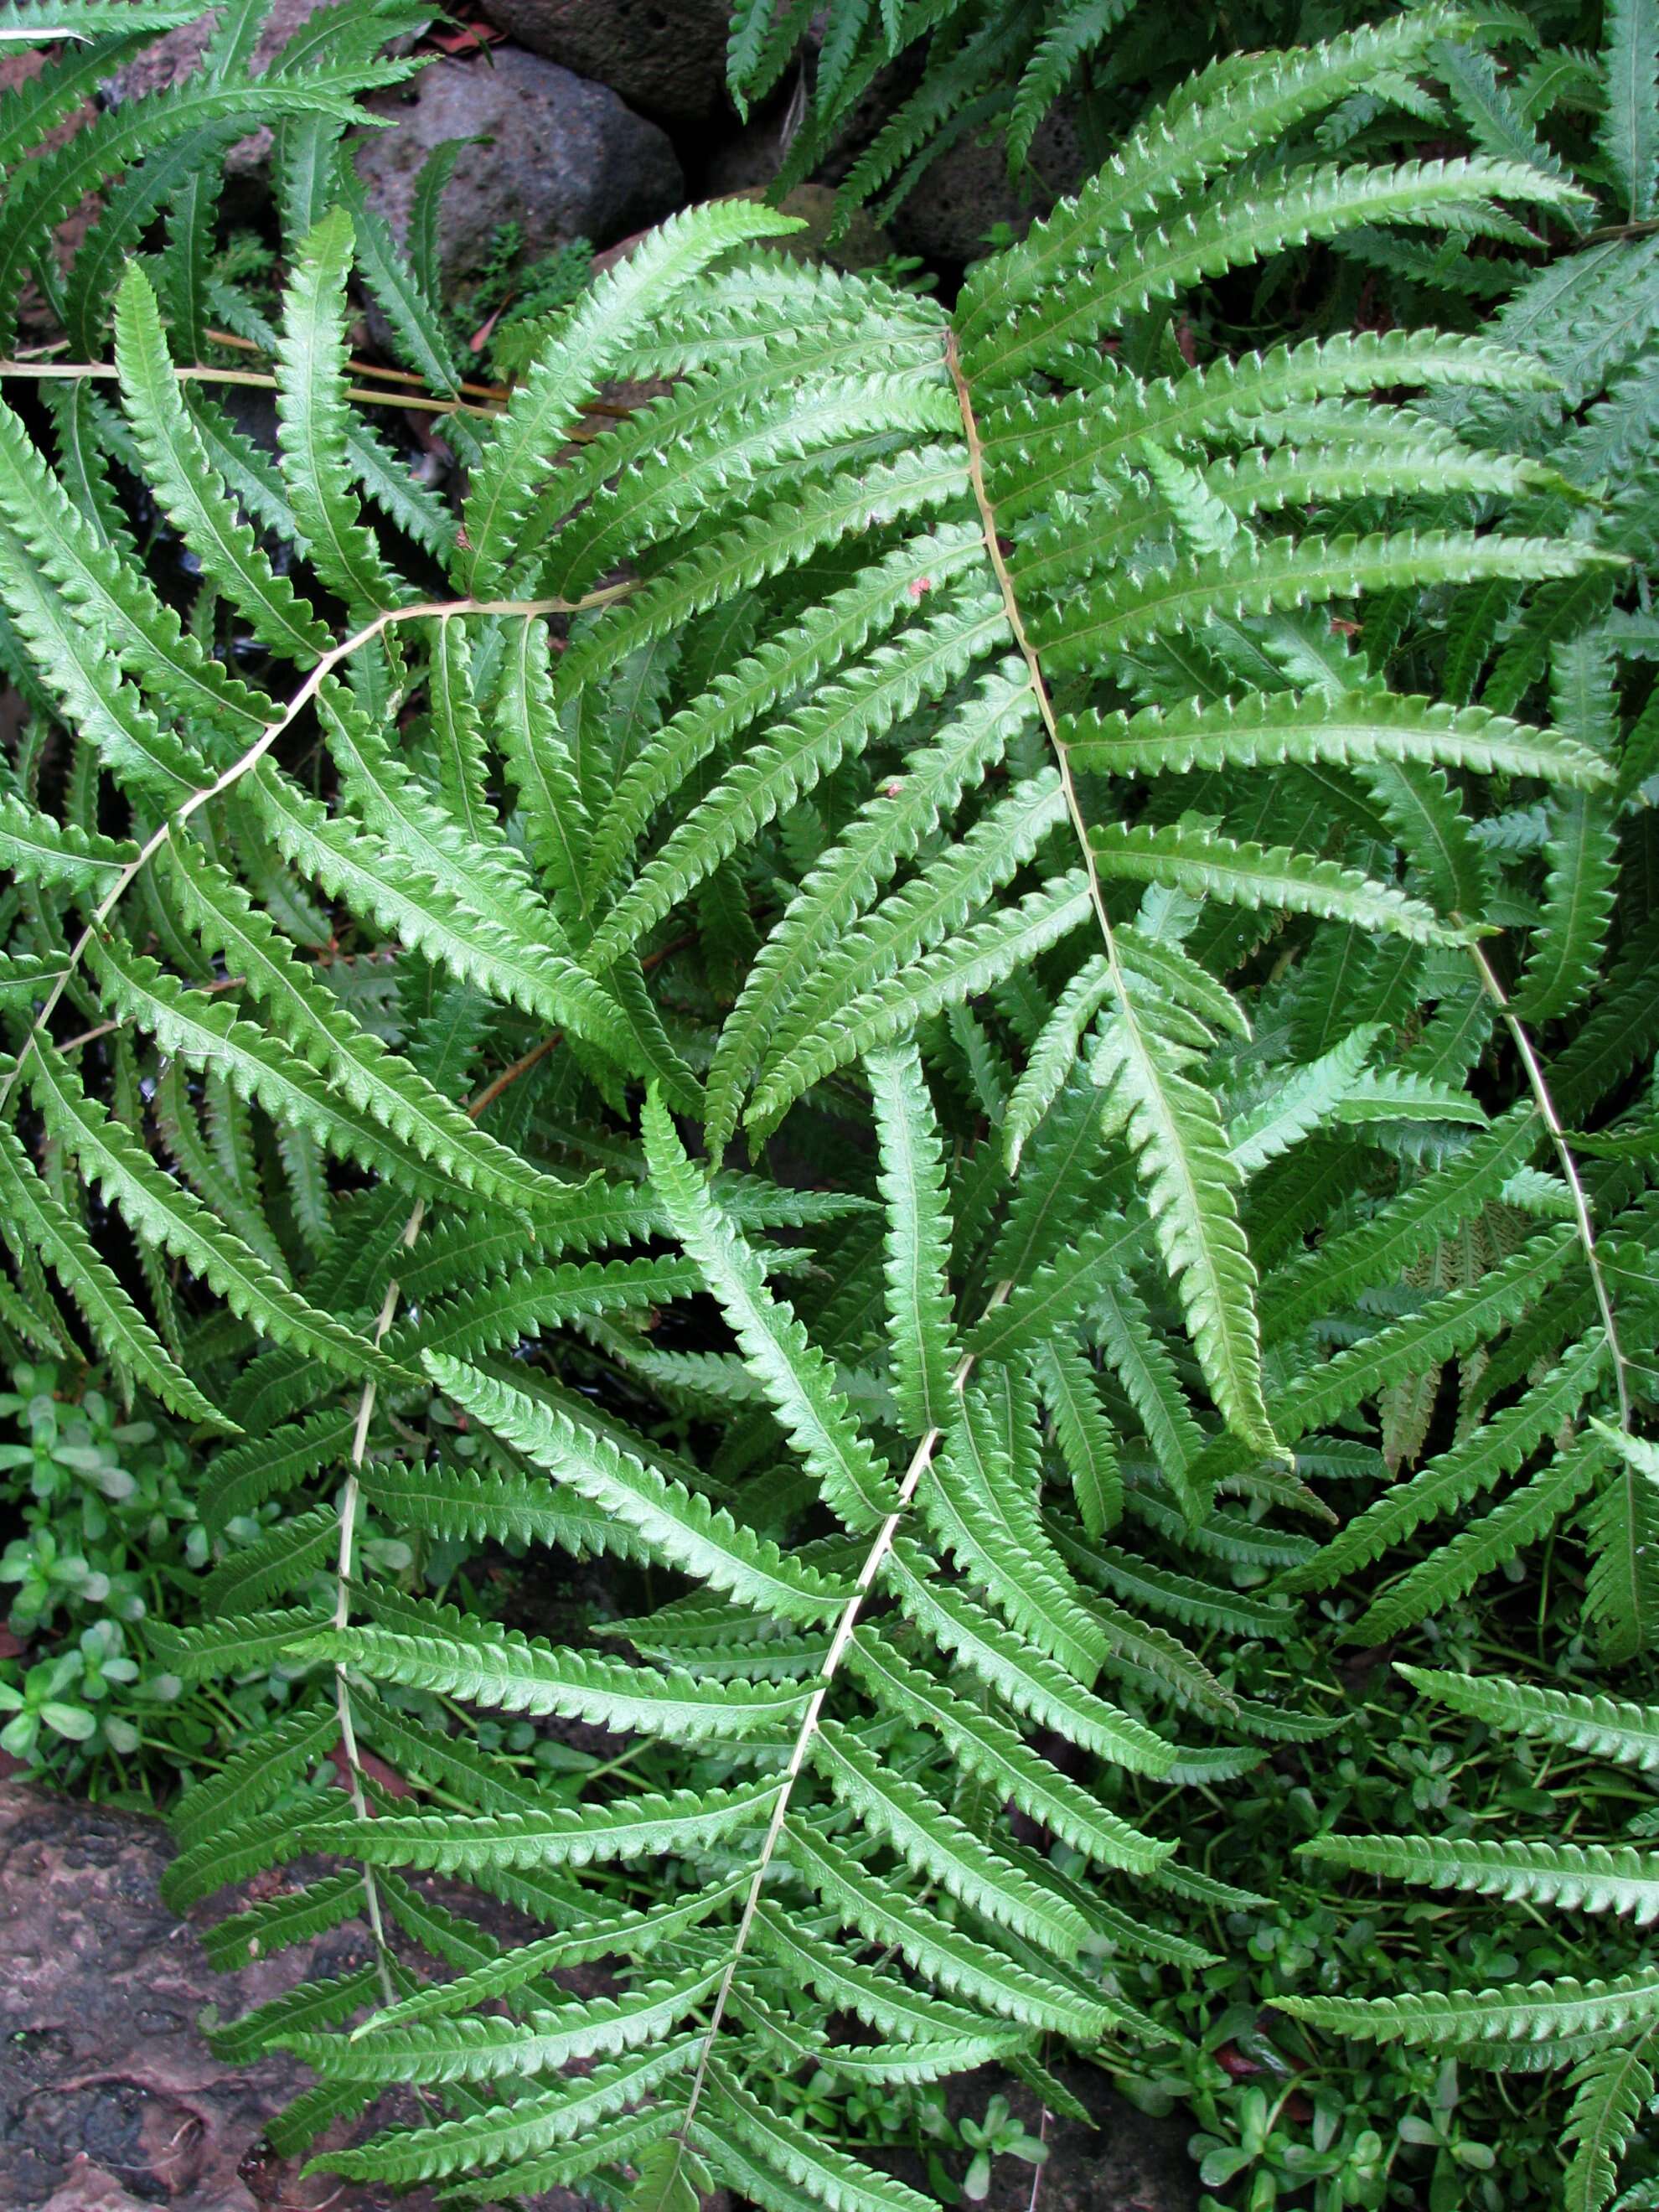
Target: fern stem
(1034, 667)
(349, 1505)
(83, 372)
(509, 1076)
(1581, 1206)
(498, 392)
(423, 610)
(920, 1461)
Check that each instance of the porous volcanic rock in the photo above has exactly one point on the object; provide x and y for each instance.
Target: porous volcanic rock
(666, 57)
(175, 56)
(957, 198)
(566, 158)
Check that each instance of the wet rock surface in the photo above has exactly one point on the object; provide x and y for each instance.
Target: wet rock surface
(104, 2086)
(567, 158)
(110, 2100)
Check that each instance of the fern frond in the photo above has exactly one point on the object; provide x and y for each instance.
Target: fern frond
(488, 1666)
(1032, 1683)
(1260, 577)
(1400, 1233)
(467, 2049)
(1476, 1463)
(205, 1033)
(912, 1182)
(312, 417)
(1610, 2091)
(224, 1647)
(589, 346)
(887, 830)
(958, 1962)
(1622, 1593)
(1599, 1727)
(599, 1936)
(34, 1221)
(1173, 1127)
(1239, 227)
(1052, 1298)
(249, 1780)
(1537, 2013)
(795, 1374)
(1630, 124)
(522, 2129)
(989, 1748)
(50, 186)
(1582, 857)
(938, 1848)
(165, 1214)
(844, 717)
(828, 2175)
(1577, 1877)
(374, 1082)
(280, 1564)
(892, 2007)
(1040, 448)
(1086, 1441)
(620, 2142)
(298, 1916)
(1201, 863)
(976, 1506)
(1217, 118)
(1346, 729)
(633, 1828)
(501, 1314)
(783, 534)
(180, 468)
(478, 943)
(1444, 1328)
(978, 957)
(680, 1526)
(1079, 26)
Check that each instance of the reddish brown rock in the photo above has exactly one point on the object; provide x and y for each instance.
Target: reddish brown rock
(17, 68)
(174, 58)
(110, 2100)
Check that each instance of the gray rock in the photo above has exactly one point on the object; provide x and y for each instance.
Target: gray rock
(968, 189)
(665, 57)
(568, 160)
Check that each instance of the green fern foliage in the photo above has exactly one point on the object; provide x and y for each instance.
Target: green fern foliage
(1602, 2030)
(1143, 845)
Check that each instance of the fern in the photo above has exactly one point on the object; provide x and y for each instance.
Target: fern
(1165, 839)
